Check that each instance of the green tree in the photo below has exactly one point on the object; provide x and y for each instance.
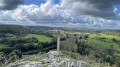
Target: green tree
(2, 58)
(69, 45)
(13, 56)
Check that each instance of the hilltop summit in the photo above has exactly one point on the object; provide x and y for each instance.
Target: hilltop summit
(50, 59)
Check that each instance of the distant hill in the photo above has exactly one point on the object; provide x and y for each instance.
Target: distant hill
(18, 28)
(13, 29)
(24, 30)
(113, 32)
(43, 28)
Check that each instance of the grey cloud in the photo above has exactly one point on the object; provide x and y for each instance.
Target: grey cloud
(96, 8)
(10, 4)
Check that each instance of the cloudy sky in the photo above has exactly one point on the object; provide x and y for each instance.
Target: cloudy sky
(65, 13)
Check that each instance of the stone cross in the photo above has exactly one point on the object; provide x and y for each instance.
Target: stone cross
(58, 40)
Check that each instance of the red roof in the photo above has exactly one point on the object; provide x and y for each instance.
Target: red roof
(26, 56)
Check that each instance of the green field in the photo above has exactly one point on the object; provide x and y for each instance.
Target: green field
(72, 33)
(3, 45)
(41, 38)
(101, 35)
(108, 41)
(10, 35)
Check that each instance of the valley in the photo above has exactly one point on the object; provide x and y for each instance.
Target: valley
(95, 48)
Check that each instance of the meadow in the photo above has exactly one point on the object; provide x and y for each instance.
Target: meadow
(3, 45)
(101, 35)
(73, 33)
(104, 39)
(10, 35)
(41, 38)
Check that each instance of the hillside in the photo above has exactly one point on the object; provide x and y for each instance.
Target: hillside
(113, 32)
(109, 40)
(14, 29)
(52, 59)
(93, 47)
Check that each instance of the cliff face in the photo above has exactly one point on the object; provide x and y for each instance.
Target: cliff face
(51, 59)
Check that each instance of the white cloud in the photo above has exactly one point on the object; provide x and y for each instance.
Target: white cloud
(115, 10)
(53, 14)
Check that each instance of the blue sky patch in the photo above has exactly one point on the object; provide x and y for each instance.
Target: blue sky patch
(118, 7)
(36, 2)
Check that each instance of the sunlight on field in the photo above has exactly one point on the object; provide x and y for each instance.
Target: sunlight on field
(101, 35)
(3, 46)
(41, 38)
(106, 41)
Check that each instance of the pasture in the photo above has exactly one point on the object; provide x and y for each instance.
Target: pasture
(41, 38)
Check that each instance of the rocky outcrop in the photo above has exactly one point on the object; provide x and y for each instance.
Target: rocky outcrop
(51, 59)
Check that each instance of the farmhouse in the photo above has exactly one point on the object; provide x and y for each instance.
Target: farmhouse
(26, 56)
